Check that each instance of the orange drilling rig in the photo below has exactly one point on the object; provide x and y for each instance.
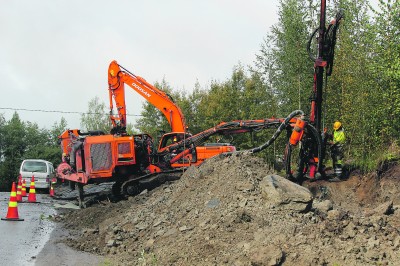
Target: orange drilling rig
(131, 161)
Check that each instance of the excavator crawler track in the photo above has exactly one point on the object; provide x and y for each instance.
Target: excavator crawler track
(136, 185)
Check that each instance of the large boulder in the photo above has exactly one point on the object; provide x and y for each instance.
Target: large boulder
(283, 194)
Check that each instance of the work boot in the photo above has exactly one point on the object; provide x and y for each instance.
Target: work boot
(317, 177)
(338, 170)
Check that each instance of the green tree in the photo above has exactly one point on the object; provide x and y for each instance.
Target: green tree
(12, 149)
(195, 119)
(25, 140)
(96, 117)
(385, 67)
(283, 60)
(352, 95)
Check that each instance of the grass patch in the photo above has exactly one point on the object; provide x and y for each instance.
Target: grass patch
(146, 259)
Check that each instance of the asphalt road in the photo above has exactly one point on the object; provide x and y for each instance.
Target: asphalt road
(34, 241)
(21, 241)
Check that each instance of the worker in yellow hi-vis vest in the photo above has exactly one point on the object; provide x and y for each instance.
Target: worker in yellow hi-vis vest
(337, 147)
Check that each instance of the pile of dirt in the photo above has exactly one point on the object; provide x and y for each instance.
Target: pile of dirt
(234, 210)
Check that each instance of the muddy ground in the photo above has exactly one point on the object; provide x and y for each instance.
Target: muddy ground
(236, 211)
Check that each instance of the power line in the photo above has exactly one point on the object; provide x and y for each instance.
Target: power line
(54, 111)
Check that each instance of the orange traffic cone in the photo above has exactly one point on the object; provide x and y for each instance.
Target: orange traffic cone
(23, 189)
(32, 192)
(51, 190)
(19, 193)
(12, 213)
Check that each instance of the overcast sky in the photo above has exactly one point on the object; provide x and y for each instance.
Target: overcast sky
(55, 53)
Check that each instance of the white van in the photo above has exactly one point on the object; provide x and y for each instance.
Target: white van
(42, 170)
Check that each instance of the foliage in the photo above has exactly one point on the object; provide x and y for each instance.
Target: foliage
(385, 66)
(96, 117)
(146, 259)
(25, 140)
(283, 60)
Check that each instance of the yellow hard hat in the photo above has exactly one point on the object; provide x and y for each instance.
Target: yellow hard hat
(337, 125)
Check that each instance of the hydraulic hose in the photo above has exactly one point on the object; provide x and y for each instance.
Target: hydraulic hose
(277, 132)
(310, 55)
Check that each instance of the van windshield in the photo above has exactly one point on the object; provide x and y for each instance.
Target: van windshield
(31, 166)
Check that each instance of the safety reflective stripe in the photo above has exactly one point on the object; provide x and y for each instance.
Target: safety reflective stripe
(32, 190)
(12, 204)
(13, 194)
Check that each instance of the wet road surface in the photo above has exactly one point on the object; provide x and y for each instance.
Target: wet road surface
(35, 241)
(21, 241)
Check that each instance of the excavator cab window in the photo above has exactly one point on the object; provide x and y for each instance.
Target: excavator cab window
(172, 138)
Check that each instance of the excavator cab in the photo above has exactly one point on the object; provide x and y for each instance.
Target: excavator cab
(182, 156)
(172, 138)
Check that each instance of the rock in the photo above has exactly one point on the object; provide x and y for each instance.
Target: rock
(322, 206)
(243, 203)
(185, 228)
(149, 244)
(245, 186)
(372, 254)
(383, 209)
(269, 255)
(204, 223)
(396, 242)
(333, 215)
(373, 242)
(157, 223)
(111, 243)
(282, 194)
(349, 231)
(159, 233)
(171, 232)
(144, 192)
(212, 203)
(116, 229)
(141, 226)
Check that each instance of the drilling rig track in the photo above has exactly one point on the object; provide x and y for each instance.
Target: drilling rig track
(136, 185)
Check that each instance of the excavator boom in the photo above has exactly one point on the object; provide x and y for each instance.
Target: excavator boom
(119, 76)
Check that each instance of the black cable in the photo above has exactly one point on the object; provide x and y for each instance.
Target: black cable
(277, 132)
(55, 111)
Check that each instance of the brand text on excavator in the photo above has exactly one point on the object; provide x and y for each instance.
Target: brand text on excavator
(141, 90)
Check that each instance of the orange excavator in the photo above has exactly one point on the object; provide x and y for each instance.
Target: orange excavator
(118, 77)
(131, 161)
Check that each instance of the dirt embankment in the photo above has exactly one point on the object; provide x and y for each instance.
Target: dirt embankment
(235, 211)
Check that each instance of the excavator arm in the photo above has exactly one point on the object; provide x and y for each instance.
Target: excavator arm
(118, 77)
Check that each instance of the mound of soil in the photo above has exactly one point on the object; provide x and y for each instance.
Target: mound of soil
(221, 213)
